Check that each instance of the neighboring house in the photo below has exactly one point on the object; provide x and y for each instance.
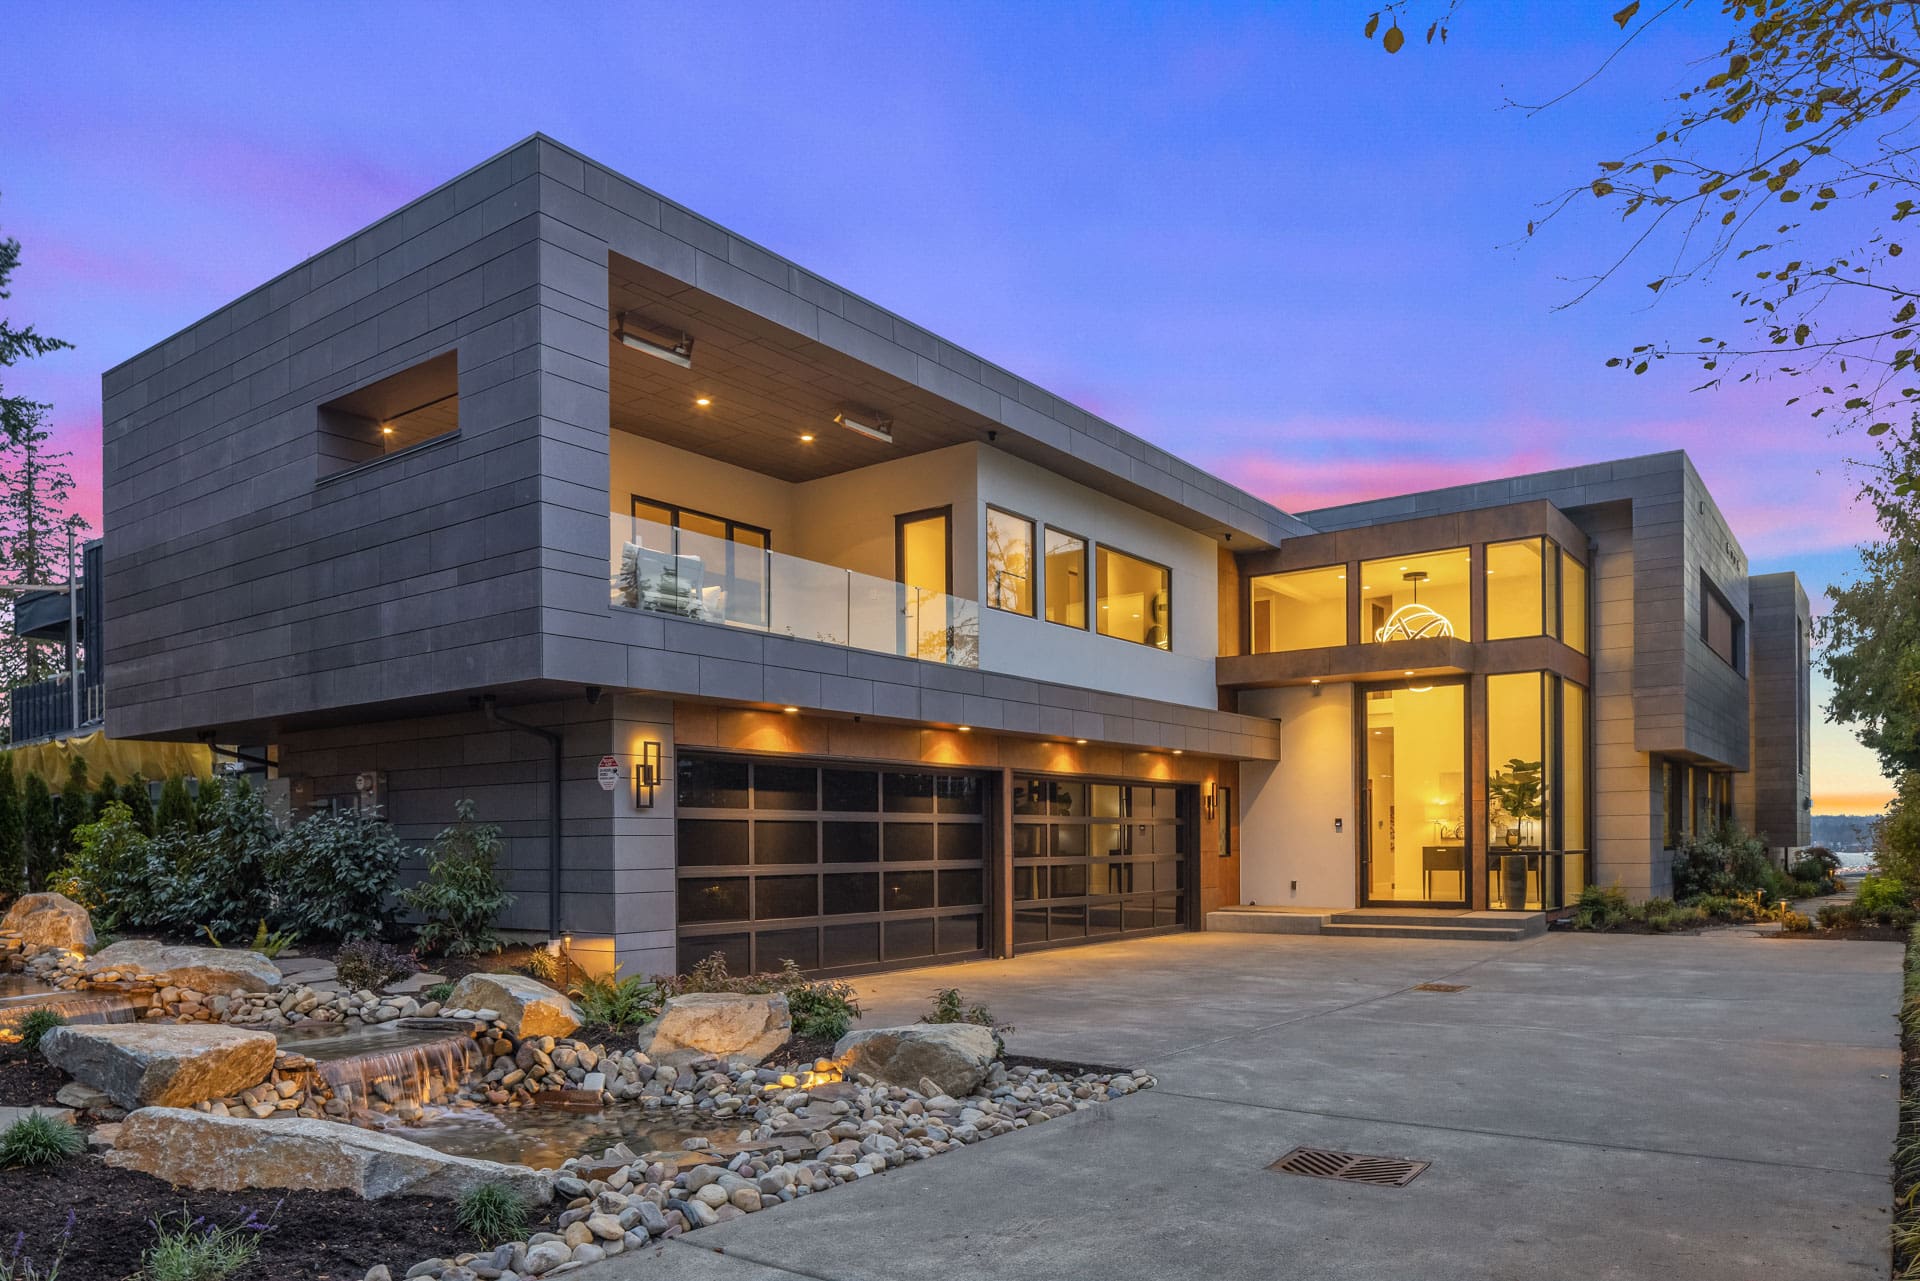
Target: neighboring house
(60, 705)
(766, 622)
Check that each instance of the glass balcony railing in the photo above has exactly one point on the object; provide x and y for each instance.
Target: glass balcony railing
(683, 572)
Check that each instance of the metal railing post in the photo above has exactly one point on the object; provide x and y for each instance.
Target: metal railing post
(73, 631)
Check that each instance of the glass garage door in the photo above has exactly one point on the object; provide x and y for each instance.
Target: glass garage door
(1096, 860)
(836, 867)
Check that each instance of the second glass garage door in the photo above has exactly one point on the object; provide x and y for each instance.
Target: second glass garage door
(1093, 860)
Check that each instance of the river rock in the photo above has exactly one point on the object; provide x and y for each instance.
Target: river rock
(204, 969)
(954, 1056)
(198, 1150)
(161, 1064)
(527, 1006)
(740, 1027)
(49, 920)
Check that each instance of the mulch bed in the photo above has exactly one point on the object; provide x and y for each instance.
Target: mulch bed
(317, 1236)
(804, 1050)
(27, 1079)
(612, 1039)
(1060, 1067)
(1858, 933)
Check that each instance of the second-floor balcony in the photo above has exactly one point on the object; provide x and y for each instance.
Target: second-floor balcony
(731, 577)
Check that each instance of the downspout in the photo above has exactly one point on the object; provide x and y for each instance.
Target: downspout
(555, 741)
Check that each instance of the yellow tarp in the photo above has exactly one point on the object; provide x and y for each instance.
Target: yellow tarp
(121, 757)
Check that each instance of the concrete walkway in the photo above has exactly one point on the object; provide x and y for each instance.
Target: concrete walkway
(1709, 1106)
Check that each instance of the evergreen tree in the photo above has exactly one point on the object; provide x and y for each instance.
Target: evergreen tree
(107, 793)
(176, 807)
(12, 853)
(40, 831)
(76, 803)
(206, 800)
(139, 803)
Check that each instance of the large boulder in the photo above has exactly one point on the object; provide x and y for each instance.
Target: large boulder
(161, 1064)
(214, 970)
(49, 920)
(527, 1006)
(954, 1056)
(231, 1154)
(740, 1027)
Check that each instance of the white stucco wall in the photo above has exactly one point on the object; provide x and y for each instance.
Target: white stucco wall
(1290, 854)
(661, 472)
(1033, 647)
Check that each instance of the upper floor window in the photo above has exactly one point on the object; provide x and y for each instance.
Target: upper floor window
(1573, 602)
(1009, 562)
(1721, 628)
(1133, 599)
(1066, 578)
(1300, 609)
(1416, 597)
(416, 405)
(1517, 589)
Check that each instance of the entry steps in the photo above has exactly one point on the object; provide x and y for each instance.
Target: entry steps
(1381, 923)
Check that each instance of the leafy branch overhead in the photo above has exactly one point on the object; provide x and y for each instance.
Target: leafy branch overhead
(1791, 160)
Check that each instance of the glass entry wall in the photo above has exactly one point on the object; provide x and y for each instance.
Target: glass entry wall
(1536, 790)
(1415, 846)
(1093, 860)
(832, 866)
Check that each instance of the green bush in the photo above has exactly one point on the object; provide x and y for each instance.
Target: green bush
(139, 803)
(188, 1248)
(38, 1139)
(461, 896)
(438, 992)
(949, 1007)
(75, 804)
(214, 879)
(39, 832)
(35, 1024)
(1600, 909)
(1796, 923)
(492, 1213)
(1726, 862)
(107, 871)
(609, 1000)
(371, 964)
(545, 966)
(1879, 894)
(12, 847)
(820, 1007)
(331, 874)
(176, 807)
(824, 1009)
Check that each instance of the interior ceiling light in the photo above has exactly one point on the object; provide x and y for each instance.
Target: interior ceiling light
(703, 401)
(870, 423)
(1414, 621)
(672, 345)
(806, 438)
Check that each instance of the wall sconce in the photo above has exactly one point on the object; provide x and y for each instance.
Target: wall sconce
(1209, 801)
(646, 775)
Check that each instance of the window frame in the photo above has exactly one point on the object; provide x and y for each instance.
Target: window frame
(1098, 630)
(986, 561)
(1086, 577)
(677, 510)
(1549, 582)
(1344, 570)
(1737, 641)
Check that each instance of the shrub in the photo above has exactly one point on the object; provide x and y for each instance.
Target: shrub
(39, 832)
(139, 803)
(191, 1249)
(35, 1024)
(1600, 909)
(107, 870)
(1816, 865)
(438, 992)
(1725, 862)
(38, 1139)
(824, 1009)
(949, 1007)
(492, 1213)
(214, 879)
(12, 850)
(371, 964)
(462, 895)
(1796, 923)
(75, 806)
(331, 874)
(1879, 894)
(1664, 916)
(611, 1001)
(176, 807)
(821, 1007)
(546, 966)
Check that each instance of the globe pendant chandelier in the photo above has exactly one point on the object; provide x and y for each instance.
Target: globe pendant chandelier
(1414, 621)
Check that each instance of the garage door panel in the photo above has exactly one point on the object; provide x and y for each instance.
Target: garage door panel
(1094, 860)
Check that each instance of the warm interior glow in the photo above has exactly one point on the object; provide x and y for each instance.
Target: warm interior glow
(1403, 609)
(1301, 609)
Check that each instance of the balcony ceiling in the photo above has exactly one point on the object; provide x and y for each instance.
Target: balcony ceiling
(768, 385)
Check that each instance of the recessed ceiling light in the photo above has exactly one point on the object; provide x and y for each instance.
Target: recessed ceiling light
(806, 438)
(965, 729)
(1314, 681)
(703, 401)
(1179, 751)
(1408, 672)
(386, 429)
(791, 711)
(1080, 742)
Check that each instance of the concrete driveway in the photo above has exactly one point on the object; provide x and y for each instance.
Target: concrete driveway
(1714, 1106)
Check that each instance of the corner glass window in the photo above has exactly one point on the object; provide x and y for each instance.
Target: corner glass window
(1416, 597)
(1009, 562)
(1518, 767)
(1573, 769)
(1066, 572)
(1573, 602)
(1134, 599)
(1301, 609)
(1516, 592)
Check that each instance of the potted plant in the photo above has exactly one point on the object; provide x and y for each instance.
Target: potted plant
(1516, 792)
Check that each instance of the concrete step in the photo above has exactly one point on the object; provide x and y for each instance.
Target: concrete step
(1267, 920)
(1459, 933)
(1528, 924)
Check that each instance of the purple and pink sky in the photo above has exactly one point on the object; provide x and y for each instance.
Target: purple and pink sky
(1239, 230)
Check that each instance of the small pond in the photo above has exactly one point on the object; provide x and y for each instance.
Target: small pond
(543, 1137)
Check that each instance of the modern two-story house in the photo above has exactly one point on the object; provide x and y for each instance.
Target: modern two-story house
(766, 622)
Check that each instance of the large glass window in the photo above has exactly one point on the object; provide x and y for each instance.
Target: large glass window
(1302, 609)
(1009, 562)
(1517, 766)
(1134, 599)
(1414, 820)
(1516, 593)
(1415, 597)
(1573, 602)
(1066, 578)
(1573, 783)
(1720, 627)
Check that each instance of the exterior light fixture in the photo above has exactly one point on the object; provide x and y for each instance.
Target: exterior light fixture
(1210, 799)
(646, 775)
(870, 423)
(671, 345)
(1414, 621)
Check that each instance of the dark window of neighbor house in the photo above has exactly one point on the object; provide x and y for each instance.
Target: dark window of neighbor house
(1721, 628)
(416, 405)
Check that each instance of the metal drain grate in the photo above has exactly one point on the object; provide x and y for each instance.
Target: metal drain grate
(1440, 987)
(1350, 1167)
